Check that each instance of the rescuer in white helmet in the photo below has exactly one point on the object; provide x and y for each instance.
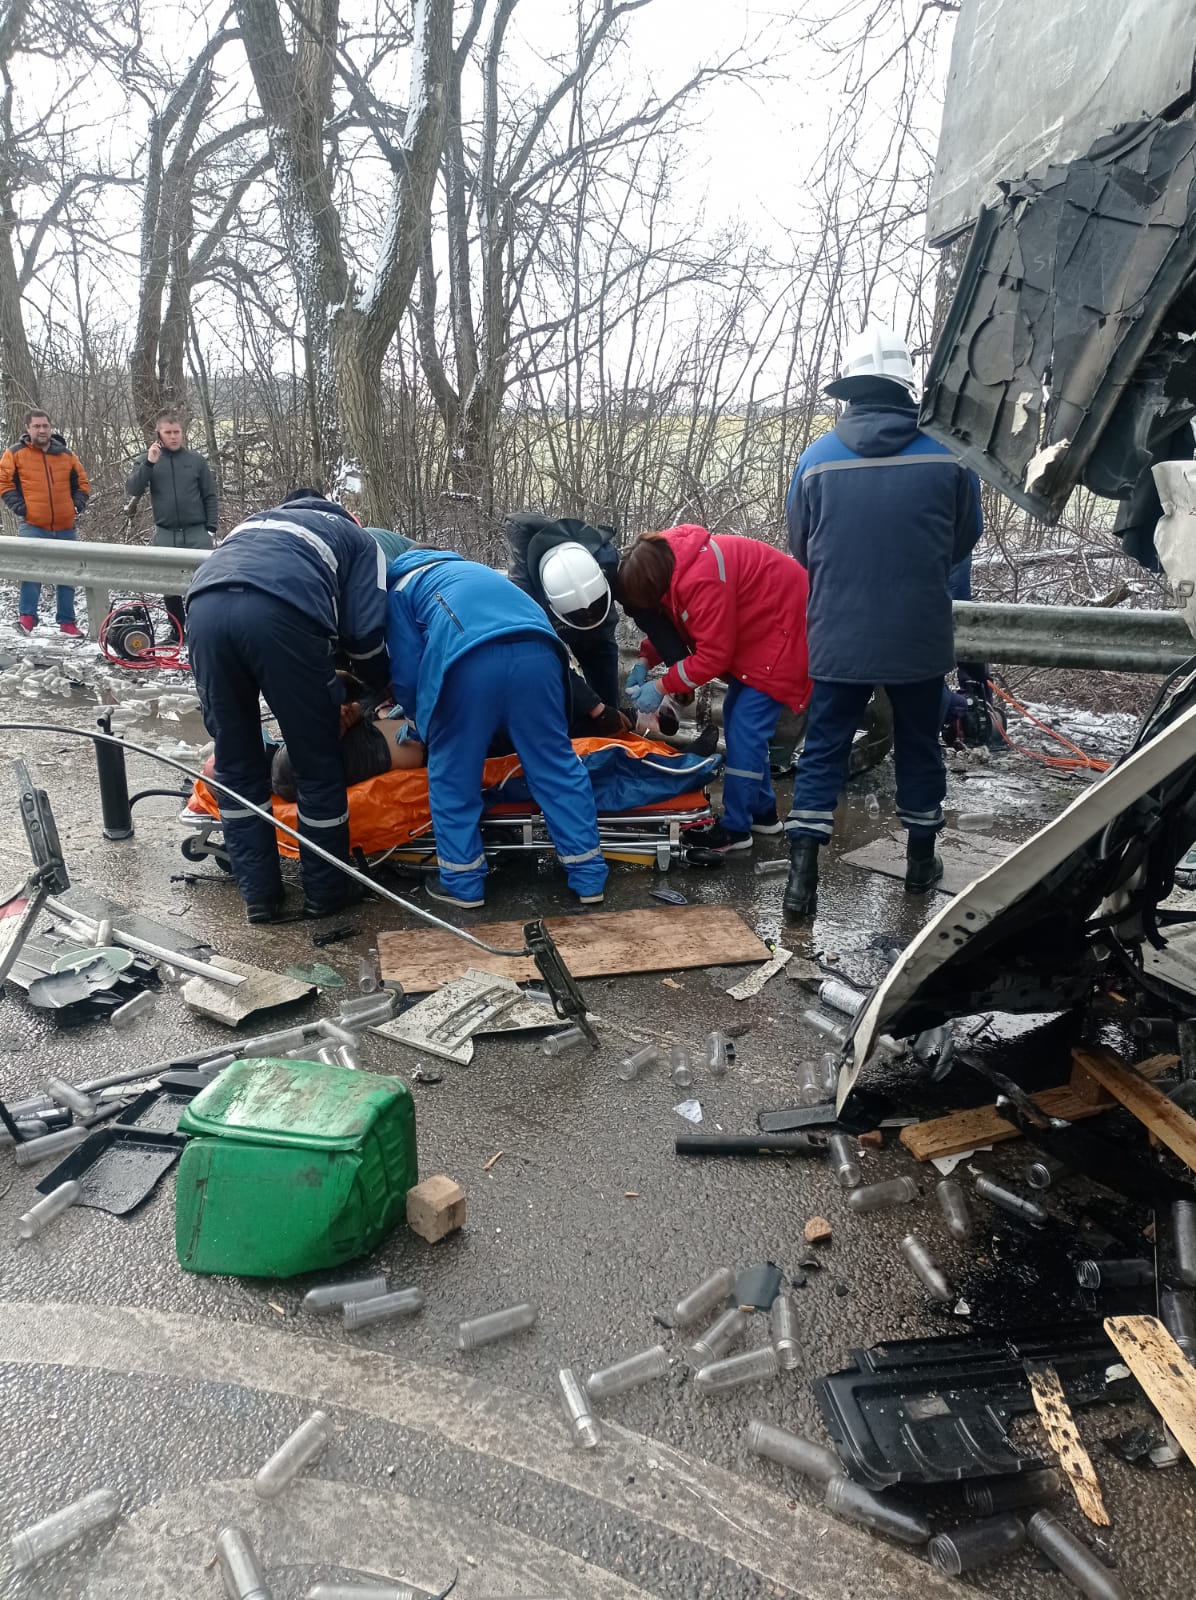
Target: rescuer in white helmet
(567, 567)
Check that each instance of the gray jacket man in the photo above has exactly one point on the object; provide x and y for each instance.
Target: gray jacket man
(182, 495)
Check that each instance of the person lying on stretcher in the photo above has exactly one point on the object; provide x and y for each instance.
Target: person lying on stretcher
(369, 747)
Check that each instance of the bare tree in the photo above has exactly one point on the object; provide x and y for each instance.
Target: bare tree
(295, 60)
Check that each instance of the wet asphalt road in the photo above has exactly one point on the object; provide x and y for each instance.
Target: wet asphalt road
(117, 1368)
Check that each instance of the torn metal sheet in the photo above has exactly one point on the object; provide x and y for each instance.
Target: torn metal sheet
(1068, 323)
(1030, 83)
(446, 1023)
(1036, 932)
(260, 991)
(747, 987)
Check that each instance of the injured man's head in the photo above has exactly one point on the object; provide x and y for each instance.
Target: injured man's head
(367, 750)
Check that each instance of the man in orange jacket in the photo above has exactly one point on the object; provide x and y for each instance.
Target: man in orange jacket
(45, 487)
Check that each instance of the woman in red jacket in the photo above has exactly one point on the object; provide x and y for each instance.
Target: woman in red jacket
(741, 607)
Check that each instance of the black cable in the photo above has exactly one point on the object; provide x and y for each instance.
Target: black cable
(266, 816)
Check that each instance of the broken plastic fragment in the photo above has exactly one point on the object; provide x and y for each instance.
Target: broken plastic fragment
(691, 1110)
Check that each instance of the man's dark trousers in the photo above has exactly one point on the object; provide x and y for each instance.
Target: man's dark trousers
(244, 642)
(836, 711)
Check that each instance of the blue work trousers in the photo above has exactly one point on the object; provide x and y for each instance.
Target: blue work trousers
(31, 593)
(750, 719)
(516, 685)
(836, 711)
(243, 643)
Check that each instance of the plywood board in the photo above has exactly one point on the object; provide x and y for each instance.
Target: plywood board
(969, 1130)
(597, 944)
(966, 857)
(1175, 1128)
(1055, 1415)
(1160, 1366)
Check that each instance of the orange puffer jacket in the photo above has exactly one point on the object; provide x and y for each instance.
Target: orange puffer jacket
(45, 488)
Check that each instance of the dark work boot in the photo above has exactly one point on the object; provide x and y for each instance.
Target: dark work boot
(923, 865)
(801, 890)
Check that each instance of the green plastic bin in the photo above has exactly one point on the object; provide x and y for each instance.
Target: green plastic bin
(291, 1166)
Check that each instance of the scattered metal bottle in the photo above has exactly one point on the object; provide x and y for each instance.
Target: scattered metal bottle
(495, 1325)
(1013, 1492)
(876, 1196)
(840, 996)
(782, 1327)
(1044, 1173)
(825, 1025)
(732, 1372)
(60, 1528)
(584, 1426)
(639, 1061)
(1179, 1318)
(975, 822)
(810, 1091)
(239, 1568)
(924, 1267)
(718, 1054)
(844, 1158)
(681, 1072)
(953, 1203)
(722, 1333)
(44, 1212)
(629, 1373)
(1074, 1560)
(771, 869)
(368, 979)
(364, 1313)
(872, 807)
(332, 1296)
(881, 1513)
(830, 1064)
(346, 1056)
(708, 1293)
(50, 1144)
(1009, 1200)
(309, 1439)
(139, 1006)
(1135, 1273)
(365, 1591)
(555, 1044)
(976, 1544)
(793, 1451)
(1183, 1225)
(73, 1099)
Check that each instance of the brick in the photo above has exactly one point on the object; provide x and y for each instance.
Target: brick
(435, 1208)
(818, 1231)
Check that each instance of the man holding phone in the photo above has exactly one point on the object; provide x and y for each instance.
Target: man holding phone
(182, 495)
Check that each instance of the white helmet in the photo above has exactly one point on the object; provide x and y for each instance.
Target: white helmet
(574, 586)
(878, 352)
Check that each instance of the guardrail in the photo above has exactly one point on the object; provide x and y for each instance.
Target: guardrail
(99, 569)
(1033, 636)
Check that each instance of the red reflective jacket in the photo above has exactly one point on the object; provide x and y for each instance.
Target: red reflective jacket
(742, 606)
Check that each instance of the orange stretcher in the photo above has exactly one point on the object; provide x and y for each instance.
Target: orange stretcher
(389, 816)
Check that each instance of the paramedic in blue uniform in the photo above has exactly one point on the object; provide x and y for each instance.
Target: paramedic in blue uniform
(879, 514)
(265, 614)
(472, 656)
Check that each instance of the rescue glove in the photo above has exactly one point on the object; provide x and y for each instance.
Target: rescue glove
(645, 697)
(637, 675)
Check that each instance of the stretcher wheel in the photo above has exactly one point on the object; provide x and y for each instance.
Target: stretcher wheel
(196, 849)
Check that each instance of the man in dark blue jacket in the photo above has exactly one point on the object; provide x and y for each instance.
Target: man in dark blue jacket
(265, 614)
(472, 657)
(878, 514)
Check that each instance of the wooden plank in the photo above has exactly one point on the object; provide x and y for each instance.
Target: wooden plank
(967, 1130)
(1175, 1128)
(596, 945)
(1055, 1415)
(1159, 1365)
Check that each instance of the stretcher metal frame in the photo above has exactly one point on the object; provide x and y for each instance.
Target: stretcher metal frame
(653, 838)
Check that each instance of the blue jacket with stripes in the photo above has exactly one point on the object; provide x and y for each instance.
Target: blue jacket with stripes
(314, 556)
(440, 607)
(879, 514)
